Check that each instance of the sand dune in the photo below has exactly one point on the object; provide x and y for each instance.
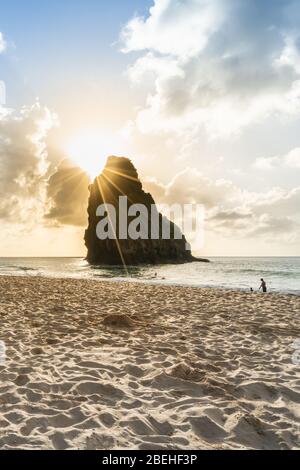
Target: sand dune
(101, 365)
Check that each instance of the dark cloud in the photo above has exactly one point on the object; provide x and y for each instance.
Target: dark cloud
(231, 216)
(275, 226)
(67, 193)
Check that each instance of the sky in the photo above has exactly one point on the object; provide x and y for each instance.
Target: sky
(203, 95)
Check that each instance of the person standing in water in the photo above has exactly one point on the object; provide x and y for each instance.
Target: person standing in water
(263, 285)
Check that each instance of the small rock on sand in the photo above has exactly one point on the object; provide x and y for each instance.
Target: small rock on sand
(37, 351)
(22, 380)
(119, 321)
(51, 341)
(184, 372)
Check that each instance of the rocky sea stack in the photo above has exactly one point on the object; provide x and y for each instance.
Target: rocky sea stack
(120, 178)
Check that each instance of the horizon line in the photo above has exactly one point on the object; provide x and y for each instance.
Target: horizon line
(207, 256)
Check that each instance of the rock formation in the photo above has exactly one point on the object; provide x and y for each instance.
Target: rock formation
(120, 178)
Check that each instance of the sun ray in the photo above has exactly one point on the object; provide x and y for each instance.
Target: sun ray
(116, 239)
(117, 187)
(124, 175)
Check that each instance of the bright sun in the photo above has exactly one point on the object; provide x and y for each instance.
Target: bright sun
(89, 150)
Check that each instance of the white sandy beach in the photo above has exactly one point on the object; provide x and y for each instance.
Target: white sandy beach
(187, 369)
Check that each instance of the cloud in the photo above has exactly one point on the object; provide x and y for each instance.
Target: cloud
(276, 227)
(24, 163)
(290, 160)
(232, 212)
(165, 30)
(67, 192)
(215, 64)
(2, 43)
(38, 187)
(191, 186)
(279, 202)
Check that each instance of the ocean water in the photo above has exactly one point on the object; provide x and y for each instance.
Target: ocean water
(281, 274)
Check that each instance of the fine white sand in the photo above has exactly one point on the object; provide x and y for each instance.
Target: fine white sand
(182, 368)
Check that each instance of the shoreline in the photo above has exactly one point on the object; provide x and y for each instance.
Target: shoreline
(150, 282)
(106, 365)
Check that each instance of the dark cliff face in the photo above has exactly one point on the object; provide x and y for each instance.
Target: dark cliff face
(120, 178)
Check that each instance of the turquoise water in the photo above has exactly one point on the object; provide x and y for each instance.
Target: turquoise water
(281, 274)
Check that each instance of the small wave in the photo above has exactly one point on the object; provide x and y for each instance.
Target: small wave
(24, 268)
(261, 272)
